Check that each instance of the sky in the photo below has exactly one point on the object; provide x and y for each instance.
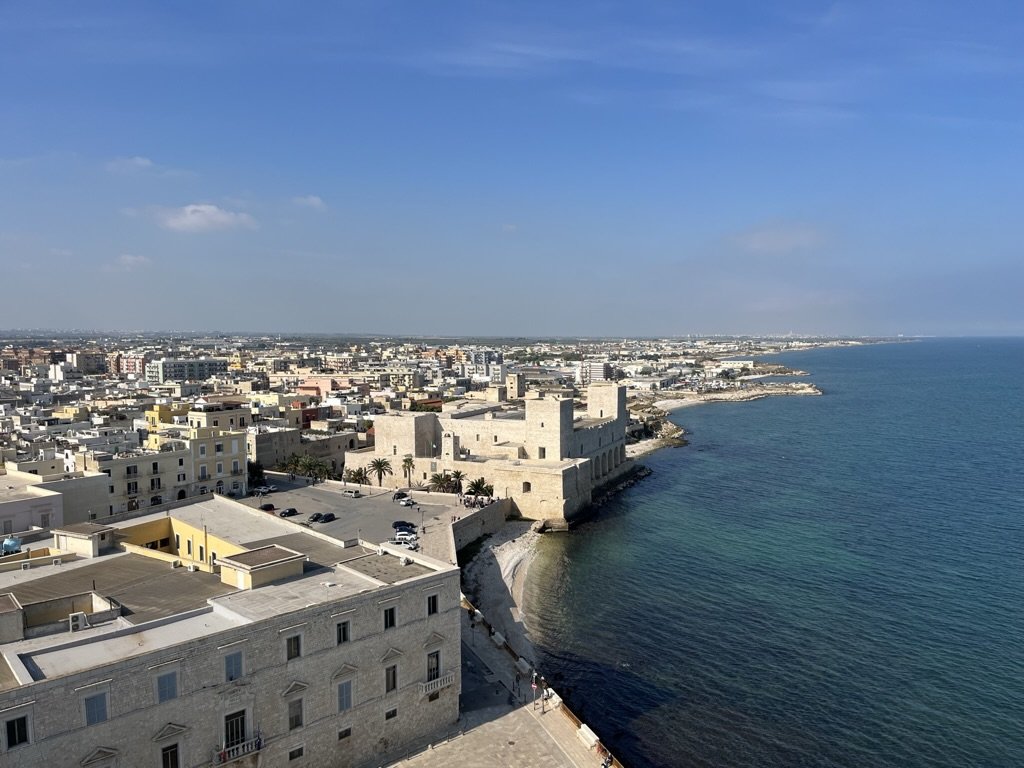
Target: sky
(519, 168)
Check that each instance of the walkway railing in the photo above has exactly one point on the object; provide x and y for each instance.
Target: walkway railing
(224, 755)
(436, 685)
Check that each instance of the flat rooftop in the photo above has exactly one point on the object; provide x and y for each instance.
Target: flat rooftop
(147, 588)
(163, 606)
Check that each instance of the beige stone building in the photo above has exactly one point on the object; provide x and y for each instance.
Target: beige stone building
(543, 456)
(218, 635)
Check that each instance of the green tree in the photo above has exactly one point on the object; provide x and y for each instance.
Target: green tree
(381, 467)
(256, 472)
(357, 475)
(479, 487)
(408, 465)
(457, 477)
(440, 482)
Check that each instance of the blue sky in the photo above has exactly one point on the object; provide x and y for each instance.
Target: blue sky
(527, 168)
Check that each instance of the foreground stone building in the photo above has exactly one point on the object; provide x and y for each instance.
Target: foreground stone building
(542, 455)
(218, 635)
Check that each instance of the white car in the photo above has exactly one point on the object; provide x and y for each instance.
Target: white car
(407, 502)
(405, 536)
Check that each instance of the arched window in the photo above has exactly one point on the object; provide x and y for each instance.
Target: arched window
(527, 488)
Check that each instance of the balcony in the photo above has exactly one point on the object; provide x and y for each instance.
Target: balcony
(225, 755)
(448, 678)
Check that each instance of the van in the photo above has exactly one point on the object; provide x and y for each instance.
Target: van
(352, 493)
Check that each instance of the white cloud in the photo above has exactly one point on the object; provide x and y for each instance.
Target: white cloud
(509, 228)
(127, 166)
(128, 262)
(204, 217)
(61, 252)
(780, 239)
(310, 201)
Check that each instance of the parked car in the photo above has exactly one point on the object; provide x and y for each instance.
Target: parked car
(352, 493)
(399, 495)
(316, 517)
(268, 507)
(403, 524)
(405, 536)
(327, 517)
(288, 512)
(407, 502)
(259, 490)
(412, 546)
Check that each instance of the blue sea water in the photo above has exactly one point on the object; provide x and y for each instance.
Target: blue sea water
(813, 581)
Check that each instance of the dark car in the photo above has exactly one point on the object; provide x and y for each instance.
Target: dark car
(267, 507)
(316, 517)
(327, 517)
(289, 512)
(403, 524)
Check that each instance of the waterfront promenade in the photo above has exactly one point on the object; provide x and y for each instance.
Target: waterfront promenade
(498, 728)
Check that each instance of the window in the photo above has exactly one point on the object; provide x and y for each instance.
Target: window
(181, 477)
(234, 729)
(542, 453)
(344, 632)
(527, 487)
(156, 467)
(166, 687)
(389, 618)
(202, 554)
(220, 468)
(293, 647)
(431, 605)
(181, 462)
(17, 732)
(344, 733)
(233, 666)
(188, 547)
(433, 665)
(391, 714)
(96, 708)
(133, 488)
(294, 714)
(218, 448)
(202, 450)
(344, 695)
(391, 678)
(131, 469)
(169, 757)
(296, 753)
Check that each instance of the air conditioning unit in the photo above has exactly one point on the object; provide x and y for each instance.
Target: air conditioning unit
(78, 621)
(175, 563)
(191, 568)
(26, 566)
(56, 561)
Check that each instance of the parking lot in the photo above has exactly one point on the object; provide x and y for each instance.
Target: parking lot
(368, 517)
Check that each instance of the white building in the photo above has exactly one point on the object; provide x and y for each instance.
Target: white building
(220, 635)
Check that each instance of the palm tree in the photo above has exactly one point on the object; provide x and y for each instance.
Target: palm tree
(479, 487)
(408, 465)
(457, 477)
(381, 467)
(440, 482)
(357, 476)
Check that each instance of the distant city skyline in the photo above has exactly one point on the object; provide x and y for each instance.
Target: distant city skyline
(529, 169)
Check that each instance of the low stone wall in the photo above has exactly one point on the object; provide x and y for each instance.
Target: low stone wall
(474, 523)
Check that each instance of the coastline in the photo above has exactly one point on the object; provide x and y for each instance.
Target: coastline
(495, 580)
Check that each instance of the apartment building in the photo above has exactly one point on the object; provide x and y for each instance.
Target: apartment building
(235, 638)
(177, 369)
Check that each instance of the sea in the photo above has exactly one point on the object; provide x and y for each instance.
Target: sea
(812, 581)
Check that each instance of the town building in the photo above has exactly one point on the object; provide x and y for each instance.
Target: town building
(543, 456)
(219, 635)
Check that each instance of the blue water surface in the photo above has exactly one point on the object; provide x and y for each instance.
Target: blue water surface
(813, 581)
